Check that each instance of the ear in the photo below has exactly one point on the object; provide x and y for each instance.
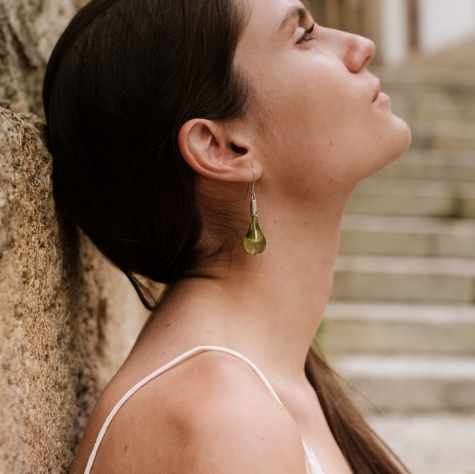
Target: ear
(218, 151)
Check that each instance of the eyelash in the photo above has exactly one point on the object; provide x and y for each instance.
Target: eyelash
(307, 36)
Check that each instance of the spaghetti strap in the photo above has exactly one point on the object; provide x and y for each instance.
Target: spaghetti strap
(163, 369)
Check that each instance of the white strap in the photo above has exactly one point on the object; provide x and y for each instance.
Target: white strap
(159, 371)
(312, 460)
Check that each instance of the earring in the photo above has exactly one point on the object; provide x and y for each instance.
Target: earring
(254, 242)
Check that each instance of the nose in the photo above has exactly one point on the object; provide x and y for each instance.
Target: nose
(358, 52)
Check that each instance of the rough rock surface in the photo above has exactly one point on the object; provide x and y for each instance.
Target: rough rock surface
(28, 31)
(67, 317)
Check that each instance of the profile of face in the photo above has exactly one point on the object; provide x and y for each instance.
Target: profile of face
(324, 125)
(312, 126)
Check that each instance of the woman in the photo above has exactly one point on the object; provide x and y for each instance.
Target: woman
(166, 117)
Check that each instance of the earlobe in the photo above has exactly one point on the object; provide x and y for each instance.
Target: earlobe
(212, 151)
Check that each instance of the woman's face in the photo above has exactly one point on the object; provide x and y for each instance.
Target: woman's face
(325, 126)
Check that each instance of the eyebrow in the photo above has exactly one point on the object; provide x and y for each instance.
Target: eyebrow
(295, 11)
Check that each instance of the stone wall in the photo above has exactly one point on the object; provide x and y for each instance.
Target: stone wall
(28, 31)
(67, 317)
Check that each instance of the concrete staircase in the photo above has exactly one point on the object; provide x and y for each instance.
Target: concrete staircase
(400, 326)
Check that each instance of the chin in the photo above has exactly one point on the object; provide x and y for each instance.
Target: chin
(398, 141)
(401, 138)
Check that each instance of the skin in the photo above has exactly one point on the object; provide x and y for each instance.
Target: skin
(314, 131)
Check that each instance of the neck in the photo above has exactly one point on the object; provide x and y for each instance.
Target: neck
(269, 306)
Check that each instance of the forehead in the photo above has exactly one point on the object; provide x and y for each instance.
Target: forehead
(272, 16)
(266, 34)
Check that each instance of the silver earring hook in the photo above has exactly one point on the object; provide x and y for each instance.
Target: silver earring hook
(254, 241)
(253, 183)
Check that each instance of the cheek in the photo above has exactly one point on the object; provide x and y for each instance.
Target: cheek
(308, 102)
(310, 120)
(361, 148)
(324, 134)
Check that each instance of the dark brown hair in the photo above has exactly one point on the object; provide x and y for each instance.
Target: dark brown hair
(122, 80)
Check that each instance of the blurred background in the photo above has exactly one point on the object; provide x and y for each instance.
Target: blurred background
(400, 326)
(401, 323)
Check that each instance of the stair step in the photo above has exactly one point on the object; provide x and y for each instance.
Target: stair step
(355, 327)
(419, 163)
(428, 79)
(403, 279)
(407, 236)
(409, 109)
(439, 96)
(432, 104)
(410, 383)
(404, 197)
(436, 443)
(443, 134)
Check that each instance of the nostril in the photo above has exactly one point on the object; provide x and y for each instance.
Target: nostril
(360, 53)
(368, 50)
(371, 51)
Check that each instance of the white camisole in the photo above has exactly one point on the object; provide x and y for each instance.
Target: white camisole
(312, 462)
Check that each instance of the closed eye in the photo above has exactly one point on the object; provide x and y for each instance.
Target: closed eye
(307, 36)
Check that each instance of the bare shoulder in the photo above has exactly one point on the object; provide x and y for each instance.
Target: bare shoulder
(211, 414)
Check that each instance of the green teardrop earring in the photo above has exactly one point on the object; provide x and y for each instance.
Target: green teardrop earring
(254, 242)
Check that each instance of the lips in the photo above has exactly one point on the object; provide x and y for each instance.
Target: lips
(377, 90)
